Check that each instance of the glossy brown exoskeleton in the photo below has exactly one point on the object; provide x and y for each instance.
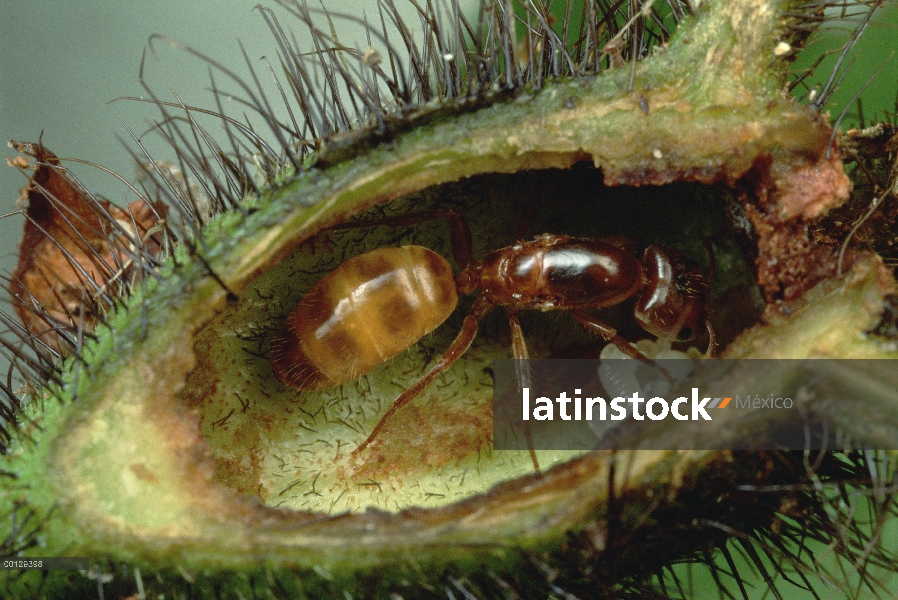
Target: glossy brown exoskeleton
(374, 306)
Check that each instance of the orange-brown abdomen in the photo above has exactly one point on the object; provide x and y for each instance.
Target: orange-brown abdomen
(366, 311)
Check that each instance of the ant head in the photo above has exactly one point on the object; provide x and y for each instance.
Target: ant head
(673, 303)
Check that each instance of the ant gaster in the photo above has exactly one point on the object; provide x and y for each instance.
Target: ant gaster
(376, 305)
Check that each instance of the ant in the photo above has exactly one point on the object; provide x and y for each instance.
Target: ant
(374, 306)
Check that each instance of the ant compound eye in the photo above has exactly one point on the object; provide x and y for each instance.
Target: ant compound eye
(685, 334)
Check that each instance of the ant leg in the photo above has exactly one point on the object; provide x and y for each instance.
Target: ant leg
(459, 346)
(519, 351)
(459, 230)
(712, 341)
(610, 335)
(712, 337)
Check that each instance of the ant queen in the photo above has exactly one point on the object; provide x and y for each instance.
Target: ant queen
(376, 305)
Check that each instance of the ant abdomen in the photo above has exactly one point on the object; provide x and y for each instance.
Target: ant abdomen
(368, 310)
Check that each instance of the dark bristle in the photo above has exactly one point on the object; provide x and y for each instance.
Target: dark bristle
(95, 255)
(331, 102)
(369, 96)
(327, 89)
(43, 350)
(856, 16)
(856, 97)
(159, 187)
(349, 96)
(24, 529)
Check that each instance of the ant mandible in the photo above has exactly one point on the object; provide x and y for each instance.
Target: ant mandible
(374, 306)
